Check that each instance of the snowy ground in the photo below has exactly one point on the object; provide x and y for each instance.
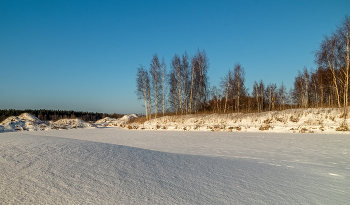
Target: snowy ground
(309, 120)
(116, 166)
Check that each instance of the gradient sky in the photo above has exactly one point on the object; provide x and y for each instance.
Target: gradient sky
(83, 55)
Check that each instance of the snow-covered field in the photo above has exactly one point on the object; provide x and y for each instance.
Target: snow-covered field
(117, 166)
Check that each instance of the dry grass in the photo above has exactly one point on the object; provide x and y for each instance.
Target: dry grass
(138, 120)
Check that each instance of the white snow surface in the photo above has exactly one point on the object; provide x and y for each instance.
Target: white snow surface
(117, 166)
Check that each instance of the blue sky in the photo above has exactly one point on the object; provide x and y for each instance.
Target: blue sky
(83, 55)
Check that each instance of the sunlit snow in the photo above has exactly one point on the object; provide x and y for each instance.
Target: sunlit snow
(117, 166)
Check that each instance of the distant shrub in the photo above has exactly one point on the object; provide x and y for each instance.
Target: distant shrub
(294, 118)
(265, 127)
(267, 121)
(303, 130)
(196, 127)
(343, 127)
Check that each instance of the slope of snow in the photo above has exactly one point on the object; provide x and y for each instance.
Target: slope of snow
(70, 124)
(322, 120)
(116, 166)
(107, 121)
(28, 122)
(24, 122)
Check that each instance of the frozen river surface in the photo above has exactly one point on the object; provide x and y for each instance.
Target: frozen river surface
(114, 166)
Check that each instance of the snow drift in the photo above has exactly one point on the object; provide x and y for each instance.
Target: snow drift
(24, 122)
(70, 124)
(311, 120)
(28, 122)
(120, 122)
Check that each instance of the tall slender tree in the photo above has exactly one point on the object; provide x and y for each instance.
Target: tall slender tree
(163, 65)
(143, 87)
(155, 72)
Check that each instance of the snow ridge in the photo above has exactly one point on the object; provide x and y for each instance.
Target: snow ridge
(311, 120)
(28, 122)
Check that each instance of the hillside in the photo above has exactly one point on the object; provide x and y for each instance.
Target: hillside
(311, 120)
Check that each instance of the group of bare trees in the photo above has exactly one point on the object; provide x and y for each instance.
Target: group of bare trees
(187, 84)
(328, 85)
(234, 89)
(333, 55)
(151, 87)
(233, 96)
(185, 87)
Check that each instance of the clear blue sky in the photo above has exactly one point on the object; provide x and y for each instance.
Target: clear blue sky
(83, 55)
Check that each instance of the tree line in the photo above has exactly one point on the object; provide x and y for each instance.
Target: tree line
(185, 88)
(55, 115)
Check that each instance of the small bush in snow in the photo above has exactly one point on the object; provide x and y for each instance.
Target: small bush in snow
(343, 127)
(267, 121)
(303, 130)
(294, 118)
(265, 127)
(196, 127)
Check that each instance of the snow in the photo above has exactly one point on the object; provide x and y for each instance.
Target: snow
(109, 165)
(108, 122)
(70, 124)
(24, 122)
(311, 120)
(28, 122)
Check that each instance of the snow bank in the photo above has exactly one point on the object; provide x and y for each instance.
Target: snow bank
(327, 120)
(28, 122)
(120, 122)
(24, 122)
(70, 124)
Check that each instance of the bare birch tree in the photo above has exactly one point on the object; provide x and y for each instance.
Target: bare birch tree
(238, 86)
(155, 72)
(163, 79)
(142, 90)
(225, 86)
(327, 56)
(344, 55)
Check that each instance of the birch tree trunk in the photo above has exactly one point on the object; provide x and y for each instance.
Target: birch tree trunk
(163, 65)
(191, 86)
(228, 84)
